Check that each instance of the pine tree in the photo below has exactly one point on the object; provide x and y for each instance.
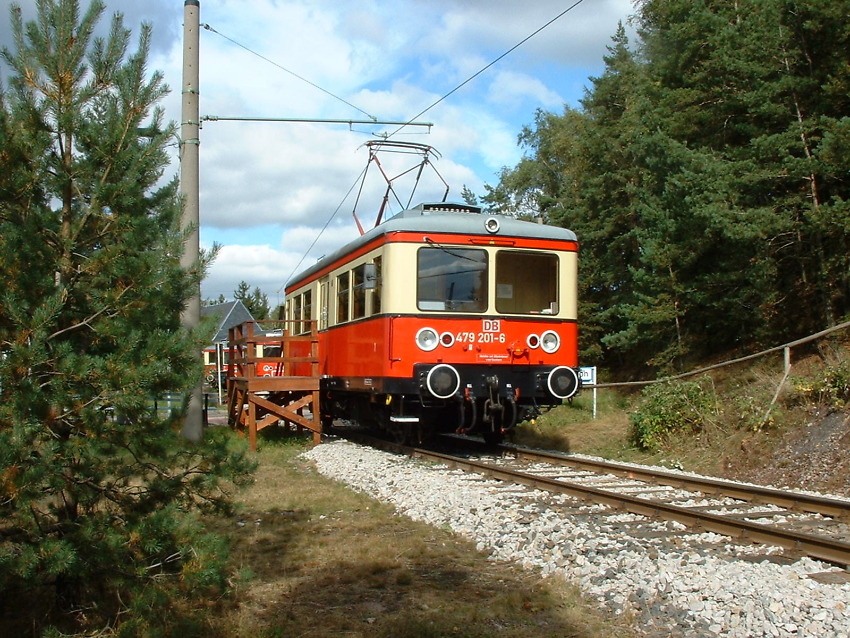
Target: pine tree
(468, 197)
(760, 87)
(98, 492)
(256, 302)
(259, 304)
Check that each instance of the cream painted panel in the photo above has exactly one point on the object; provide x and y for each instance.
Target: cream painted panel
(569, 285)
(399, 276)
(399, 281)
(399, 268)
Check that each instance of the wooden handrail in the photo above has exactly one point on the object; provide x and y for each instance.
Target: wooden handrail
(243, 344)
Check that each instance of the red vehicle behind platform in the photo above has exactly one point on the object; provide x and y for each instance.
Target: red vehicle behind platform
(444, 319)
(216, 363)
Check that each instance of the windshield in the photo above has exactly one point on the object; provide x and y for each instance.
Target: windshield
(453, 279)
(526, 283)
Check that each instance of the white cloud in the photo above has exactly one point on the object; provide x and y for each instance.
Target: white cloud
(511, 89)
(258, 265)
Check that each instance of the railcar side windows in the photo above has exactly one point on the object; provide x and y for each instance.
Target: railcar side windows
(358, 294)
(296, 311)
(376, 291)
(526, 283)
(452, 279)
(306, 311)
(299, 310)
(342, 288)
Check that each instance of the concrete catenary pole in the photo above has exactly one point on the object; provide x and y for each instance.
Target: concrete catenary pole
(193, 427)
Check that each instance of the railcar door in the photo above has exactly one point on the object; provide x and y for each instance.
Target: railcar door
(324, 302)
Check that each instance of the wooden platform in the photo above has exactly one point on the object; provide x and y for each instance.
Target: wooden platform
(275, 378)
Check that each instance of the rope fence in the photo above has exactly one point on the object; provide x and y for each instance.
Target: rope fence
(786, 348)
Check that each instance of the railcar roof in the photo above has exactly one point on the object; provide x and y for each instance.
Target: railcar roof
(444, 218)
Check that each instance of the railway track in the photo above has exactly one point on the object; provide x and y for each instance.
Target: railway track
(802, 524)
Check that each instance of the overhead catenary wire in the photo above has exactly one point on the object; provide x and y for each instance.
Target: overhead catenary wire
(292, 73)
(321, 232)
(487, 66)
(372, 119)
(406, 123)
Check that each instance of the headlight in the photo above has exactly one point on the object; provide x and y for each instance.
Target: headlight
(563, 382)
(550, 341)
(427, 339)
(443, 381)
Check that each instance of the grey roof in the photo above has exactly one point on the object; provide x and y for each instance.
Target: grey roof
(445, 217)
(230, 314)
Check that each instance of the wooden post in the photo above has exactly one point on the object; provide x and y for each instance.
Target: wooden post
(317, 418)
(787, 371)
(252, 425)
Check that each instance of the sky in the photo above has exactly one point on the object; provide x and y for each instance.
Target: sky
(277, 196)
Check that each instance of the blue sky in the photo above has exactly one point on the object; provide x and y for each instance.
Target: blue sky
(268, 189)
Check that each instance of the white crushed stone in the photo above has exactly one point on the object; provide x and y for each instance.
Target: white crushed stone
(699, 587)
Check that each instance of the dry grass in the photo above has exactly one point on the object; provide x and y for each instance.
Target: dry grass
(313, 558)
(572, 428)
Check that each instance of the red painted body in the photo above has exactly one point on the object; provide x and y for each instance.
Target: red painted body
(385, 346)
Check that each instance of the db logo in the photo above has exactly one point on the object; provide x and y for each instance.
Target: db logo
(491, 325)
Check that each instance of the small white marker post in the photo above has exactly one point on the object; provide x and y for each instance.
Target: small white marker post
(588, 377)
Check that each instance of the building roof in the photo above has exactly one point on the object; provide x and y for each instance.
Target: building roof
(230, 314)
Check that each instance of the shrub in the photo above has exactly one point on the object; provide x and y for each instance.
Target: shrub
(831, 387)
(671, 407)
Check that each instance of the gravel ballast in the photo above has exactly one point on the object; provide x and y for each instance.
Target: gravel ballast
(693, 585)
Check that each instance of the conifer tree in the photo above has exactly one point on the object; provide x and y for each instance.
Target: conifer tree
(98, 492)
(256, 302)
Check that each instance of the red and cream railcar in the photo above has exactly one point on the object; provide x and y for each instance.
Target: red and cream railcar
(444, 319)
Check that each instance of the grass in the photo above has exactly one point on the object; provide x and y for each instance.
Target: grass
(572, 428)
(313, 558)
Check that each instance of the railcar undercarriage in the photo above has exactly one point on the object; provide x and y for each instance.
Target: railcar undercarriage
(407, 420)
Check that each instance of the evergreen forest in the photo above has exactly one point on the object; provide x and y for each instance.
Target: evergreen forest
(706, 173)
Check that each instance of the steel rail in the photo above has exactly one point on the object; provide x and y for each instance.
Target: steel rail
(827, 549)
(815, 546)
(798, 502)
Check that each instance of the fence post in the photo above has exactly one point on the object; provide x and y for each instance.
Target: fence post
(787, 371)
